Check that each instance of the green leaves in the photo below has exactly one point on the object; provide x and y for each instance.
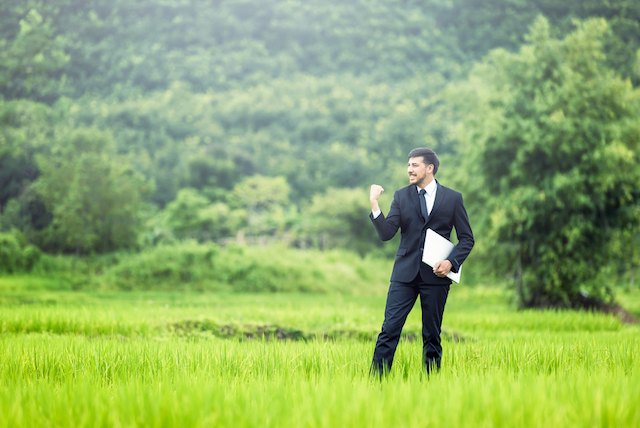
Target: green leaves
(191, 215)
(94, 194)
(253, 115)
(29, 61)
(560, 162)
(16, 255)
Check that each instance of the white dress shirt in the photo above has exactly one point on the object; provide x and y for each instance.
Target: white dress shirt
(430, 196)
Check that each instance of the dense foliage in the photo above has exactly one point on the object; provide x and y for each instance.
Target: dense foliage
(125, 125)
(556, 143)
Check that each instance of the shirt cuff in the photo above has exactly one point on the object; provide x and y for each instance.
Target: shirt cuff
(376, 213)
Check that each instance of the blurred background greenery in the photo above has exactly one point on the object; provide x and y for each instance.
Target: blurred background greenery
(205, 144)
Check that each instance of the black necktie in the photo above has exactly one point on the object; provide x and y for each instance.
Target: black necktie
(423, 204)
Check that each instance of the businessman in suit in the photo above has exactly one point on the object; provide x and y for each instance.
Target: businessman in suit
(424, 204)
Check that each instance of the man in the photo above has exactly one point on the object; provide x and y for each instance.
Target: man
(424, 204)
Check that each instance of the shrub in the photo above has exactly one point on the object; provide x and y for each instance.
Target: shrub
(189, 265)
(16, 255)
(185, 265)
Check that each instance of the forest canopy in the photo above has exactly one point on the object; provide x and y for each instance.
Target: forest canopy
(125, 125)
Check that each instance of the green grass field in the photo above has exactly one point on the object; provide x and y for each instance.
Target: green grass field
(301, 360)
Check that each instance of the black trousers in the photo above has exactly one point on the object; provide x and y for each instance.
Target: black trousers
(400, 300)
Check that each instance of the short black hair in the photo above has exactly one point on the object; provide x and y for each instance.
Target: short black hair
(429, 156)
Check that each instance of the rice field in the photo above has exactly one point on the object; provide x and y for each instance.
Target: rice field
(300, 360)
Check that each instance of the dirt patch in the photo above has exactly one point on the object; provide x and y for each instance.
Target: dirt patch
(276, 332)
(239, 331)
(589, 304)
(618, 311)
(584, 302)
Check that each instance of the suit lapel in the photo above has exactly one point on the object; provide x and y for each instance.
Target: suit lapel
(440, 197)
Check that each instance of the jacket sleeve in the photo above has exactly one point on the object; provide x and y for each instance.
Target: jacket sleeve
(387, 227)
(464, 234)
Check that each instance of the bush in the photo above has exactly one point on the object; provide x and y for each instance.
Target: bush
(193, 266)
(17, 256)
(186, 265)
(189, 265)
(282, 269)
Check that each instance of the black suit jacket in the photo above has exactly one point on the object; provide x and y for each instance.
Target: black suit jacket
(447, 212)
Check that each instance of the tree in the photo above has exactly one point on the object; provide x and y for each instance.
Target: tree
(343, 225)
(192, 215)
(551, 139)
(23, 131)
(625, 247)
(28, 62)
(266, 200)
(94, 194)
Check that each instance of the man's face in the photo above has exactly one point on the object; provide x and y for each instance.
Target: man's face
(419, 173)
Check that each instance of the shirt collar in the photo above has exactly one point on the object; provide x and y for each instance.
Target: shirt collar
(431, 187)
